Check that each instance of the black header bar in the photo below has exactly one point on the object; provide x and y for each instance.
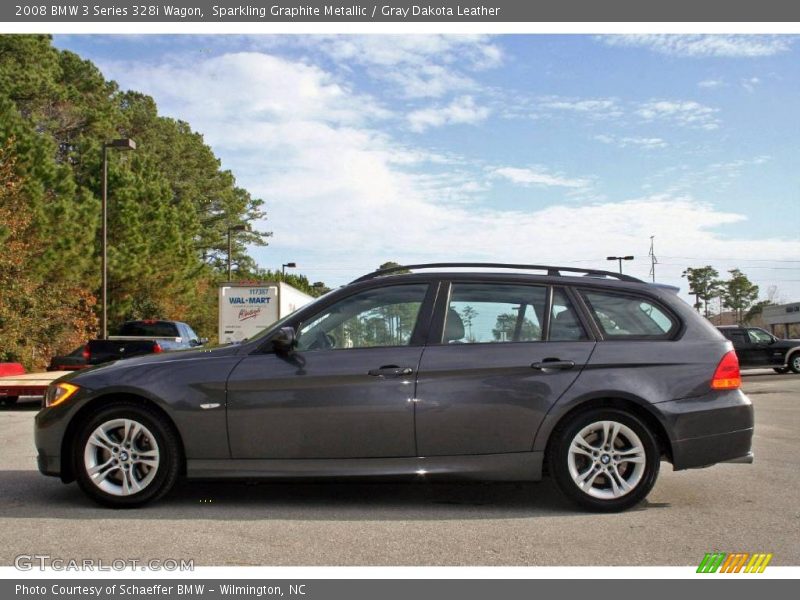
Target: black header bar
(464, 11)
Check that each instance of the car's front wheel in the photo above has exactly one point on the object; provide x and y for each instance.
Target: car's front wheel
(781, 370)
(794, 362)
(126, 455)
(604, 459)
(9, 400)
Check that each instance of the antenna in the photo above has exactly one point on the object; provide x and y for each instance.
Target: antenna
(653, 259)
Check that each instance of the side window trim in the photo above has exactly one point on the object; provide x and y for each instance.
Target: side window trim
(584, 313)
(581, 312)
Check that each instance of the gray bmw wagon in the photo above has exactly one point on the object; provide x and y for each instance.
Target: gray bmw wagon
(446, 370)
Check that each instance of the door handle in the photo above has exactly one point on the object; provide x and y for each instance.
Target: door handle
(553, 364)
(391, 371)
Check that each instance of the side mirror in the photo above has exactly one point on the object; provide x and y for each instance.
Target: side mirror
(285, 341)
(203, 341)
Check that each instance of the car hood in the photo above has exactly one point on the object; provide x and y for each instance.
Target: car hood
(788, 343)
(102, 373)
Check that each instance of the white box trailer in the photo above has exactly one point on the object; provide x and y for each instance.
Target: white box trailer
(246, 309)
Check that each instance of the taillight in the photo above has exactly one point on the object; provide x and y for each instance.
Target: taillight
(157, 349)
(86, 353)
(727, 375)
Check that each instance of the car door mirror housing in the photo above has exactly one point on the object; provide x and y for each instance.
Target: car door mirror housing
(285, 340)
(203, 341)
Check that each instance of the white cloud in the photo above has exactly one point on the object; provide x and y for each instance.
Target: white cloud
(418, 66)
(462, 110)
(750, 83)
(680, 112)
(345, 196)
(711, 83)
(598, 108)
(647, 143)
(714, 45)
(251, 84)
(537, 177)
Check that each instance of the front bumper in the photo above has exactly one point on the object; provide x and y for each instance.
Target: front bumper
(50, 427)
(709, 429)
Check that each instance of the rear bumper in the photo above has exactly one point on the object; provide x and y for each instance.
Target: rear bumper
(709, 429)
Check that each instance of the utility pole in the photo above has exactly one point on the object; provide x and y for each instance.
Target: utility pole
(653, 259)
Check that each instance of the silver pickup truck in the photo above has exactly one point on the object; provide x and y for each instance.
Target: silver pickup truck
(136, 338)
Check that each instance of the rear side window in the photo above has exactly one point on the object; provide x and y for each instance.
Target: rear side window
(622, 316)
(149, 329)
(481, 313)
(739, 338)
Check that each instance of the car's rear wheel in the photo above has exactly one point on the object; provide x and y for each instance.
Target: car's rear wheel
(794, 362)
(604, 459)
(126, 455)
(9, 400)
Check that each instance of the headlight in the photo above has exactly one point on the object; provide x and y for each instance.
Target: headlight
(58, 393)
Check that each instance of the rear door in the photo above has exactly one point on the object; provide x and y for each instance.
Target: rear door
(501, 356)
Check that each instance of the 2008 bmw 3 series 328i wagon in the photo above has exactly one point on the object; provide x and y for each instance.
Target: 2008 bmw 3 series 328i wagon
(446, 370)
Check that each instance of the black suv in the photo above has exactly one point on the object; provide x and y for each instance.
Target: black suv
(756, 347)
(426, 372)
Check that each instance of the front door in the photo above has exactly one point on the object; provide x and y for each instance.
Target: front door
(346, 392)
(485, 388)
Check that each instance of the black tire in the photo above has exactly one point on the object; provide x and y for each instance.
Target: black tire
(558, 459)
(10, 400)
(781, 370)
(794, 363)
(167, 446)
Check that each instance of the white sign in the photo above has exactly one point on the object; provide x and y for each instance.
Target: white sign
(246, 310)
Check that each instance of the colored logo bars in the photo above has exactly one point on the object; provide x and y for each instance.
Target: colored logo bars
(735, 562)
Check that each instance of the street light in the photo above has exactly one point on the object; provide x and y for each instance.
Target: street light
(120, 144)
(291, 265)
(230, 247)
(619, 259)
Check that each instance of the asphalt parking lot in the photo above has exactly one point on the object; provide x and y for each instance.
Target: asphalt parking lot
(749, 508)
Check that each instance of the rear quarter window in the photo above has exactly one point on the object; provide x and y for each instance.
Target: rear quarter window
(149, 329)
(624, 316)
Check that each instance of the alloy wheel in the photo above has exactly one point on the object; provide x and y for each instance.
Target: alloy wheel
(121, 457)
(606, 460)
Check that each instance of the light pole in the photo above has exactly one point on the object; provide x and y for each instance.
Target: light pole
(619, 259)
(291, 265)
(120, 144)
(230, 245)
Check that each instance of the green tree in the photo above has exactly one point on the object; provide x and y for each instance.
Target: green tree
(170, 201)
(506, 325)
(739, 294)
(704, 285)
(468, 315)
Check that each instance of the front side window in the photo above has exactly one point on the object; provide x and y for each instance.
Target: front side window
(481, 313)
(621, 316)
(373, 318)
(759, 336)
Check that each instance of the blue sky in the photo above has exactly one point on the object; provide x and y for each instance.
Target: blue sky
(526, 148)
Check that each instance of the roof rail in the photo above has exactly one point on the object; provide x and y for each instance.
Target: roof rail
(551, 270)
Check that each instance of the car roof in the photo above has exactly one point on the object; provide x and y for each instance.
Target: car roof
(505, 276)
